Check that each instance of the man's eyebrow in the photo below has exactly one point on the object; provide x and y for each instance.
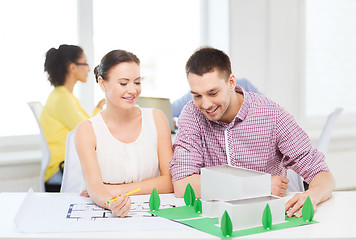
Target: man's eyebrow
(211, 90)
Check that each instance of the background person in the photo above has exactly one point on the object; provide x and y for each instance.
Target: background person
(62, 112)
(124, 147)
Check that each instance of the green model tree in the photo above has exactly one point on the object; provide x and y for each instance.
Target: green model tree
(267, 218)
(189, 195)
(308, 210)
(226, 225)
(197, 206)
(155, 201)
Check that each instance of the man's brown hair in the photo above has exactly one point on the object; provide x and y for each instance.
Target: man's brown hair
(208, 59)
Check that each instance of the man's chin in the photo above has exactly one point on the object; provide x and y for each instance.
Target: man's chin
(212, 118)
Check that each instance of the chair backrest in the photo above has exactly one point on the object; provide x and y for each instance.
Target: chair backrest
(296, 181)
(72, 174)
(36, 108)
(324, 138)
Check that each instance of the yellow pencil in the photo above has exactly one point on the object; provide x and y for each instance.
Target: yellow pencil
(127, 194)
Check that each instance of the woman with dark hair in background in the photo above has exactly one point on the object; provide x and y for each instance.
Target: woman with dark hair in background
(124, 147)
(62, 112)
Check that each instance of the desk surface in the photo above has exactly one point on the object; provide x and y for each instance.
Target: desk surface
(336, 217)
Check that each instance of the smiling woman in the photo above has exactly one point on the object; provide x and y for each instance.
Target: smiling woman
(139, 138)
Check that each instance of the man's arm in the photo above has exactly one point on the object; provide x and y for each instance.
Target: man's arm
(180, 185)
(188, 149)
(306, 160)
(320, 190)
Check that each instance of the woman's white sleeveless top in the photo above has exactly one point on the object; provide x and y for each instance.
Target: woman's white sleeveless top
(127, 162)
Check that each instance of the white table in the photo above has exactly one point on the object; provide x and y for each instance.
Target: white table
(337, 218)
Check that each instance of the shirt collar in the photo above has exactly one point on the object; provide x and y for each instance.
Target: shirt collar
(244, 106)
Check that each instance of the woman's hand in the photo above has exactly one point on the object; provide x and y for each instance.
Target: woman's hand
(101, 103)
(84, 193)
(121, 206)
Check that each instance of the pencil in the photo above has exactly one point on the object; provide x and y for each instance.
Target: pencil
(127, 194)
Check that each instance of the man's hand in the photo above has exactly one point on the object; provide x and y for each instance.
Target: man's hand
(279, 185)
(295, 204)
(320, 189)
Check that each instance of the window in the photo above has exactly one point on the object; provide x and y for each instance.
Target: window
(330, 56)
(163, 34)
(28, 29)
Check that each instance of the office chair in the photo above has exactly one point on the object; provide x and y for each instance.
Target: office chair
(72, 174)
(324, 139)
(296, 183)
(36, 108)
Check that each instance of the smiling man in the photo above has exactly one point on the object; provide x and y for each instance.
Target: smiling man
(226, 125)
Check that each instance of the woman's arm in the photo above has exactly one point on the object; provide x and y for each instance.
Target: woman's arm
(85, 143)
(162, 183)
(99, 107)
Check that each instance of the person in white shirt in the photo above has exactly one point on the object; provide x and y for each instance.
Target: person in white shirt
(124, 147)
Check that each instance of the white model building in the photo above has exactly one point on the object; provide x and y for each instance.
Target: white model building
(243, 193)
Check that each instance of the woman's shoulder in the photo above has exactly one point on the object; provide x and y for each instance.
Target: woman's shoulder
(84, 128)
(155, 113)
(149, 114)
(158, 115)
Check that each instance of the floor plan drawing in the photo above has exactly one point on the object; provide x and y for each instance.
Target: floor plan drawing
(74, 213)
(91, 211)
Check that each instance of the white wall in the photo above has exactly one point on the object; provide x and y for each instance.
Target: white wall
(267, 47)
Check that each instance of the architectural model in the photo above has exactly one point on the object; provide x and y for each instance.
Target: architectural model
(243, 193)
(234, 202)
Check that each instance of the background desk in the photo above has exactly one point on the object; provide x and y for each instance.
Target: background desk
(337, 218)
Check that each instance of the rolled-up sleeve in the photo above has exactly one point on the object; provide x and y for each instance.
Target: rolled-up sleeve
(188, 146)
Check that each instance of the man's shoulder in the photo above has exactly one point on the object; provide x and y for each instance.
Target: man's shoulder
(259, 100)
(262, 104)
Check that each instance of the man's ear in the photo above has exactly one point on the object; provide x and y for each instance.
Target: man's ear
(102, 83)
(232, 82)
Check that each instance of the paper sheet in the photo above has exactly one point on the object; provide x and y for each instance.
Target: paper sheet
(188, 216)
(68, 213)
